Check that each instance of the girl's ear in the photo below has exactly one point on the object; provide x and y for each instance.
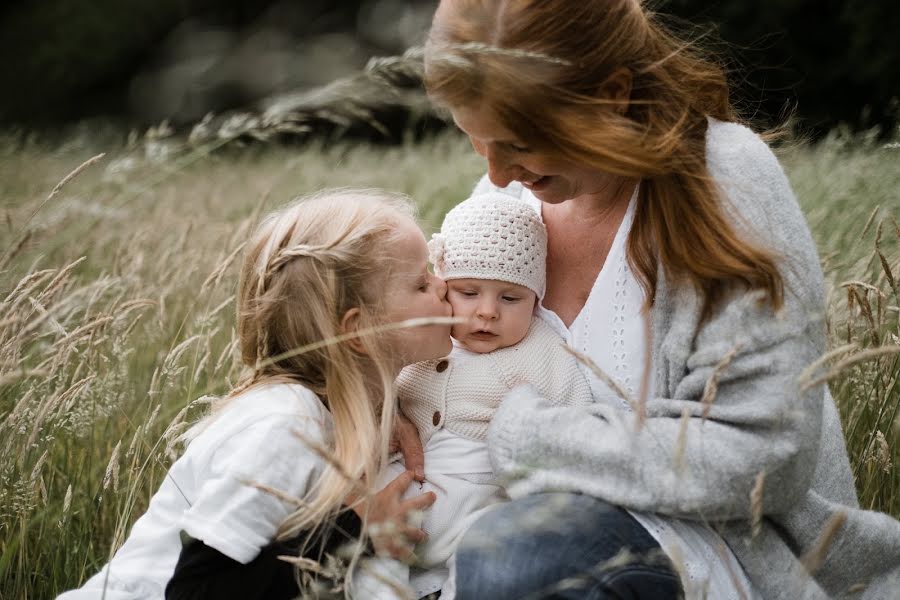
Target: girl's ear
(350, 324)
(617, 87)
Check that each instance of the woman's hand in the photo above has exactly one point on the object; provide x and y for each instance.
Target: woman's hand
(388, 515)
(406, 439)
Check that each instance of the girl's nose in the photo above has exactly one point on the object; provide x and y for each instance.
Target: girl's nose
(440, 287)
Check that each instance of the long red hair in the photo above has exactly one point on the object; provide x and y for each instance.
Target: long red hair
(541, 67)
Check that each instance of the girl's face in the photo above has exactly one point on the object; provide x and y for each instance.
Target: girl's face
(414, 292)
(550, 179)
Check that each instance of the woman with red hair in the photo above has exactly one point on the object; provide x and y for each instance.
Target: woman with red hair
(680, 264)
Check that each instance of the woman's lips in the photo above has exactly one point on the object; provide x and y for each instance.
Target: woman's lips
(538, 184)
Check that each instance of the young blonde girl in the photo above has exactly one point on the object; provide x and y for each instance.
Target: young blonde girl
(272, 469)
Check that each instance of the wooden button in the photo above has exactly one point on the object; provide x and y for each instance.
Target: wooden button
(436, 418)
(442, 366)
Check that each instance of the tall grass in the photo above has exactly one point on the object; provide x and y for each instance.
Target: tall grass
(849, 188)
(116, 313)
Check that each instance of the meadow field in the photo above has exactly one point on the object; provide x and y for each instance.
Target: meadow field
(117, 315)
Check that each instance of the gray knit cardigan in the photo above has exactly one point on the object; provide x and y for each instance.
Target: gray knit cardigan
(764, 462)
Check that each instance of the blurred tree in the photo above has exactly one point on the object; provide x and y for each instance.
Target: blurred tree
(63, 59)
(67, 58)
(832, 61)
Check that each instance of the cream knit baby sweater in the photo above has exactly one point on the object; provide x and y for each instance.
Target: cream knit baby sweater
(462, 395)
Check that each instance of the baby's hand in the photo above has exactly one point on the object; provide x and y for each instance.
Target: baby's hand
(387, 517)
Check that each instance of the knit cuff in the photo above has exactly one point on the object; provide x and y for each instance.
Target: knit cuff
(508, 431)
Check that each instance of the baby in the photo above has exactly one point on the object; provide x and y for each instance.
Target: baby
(492, 252)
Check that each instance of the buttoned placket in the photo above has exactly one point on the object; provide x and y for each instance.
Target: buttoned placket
(442, 367)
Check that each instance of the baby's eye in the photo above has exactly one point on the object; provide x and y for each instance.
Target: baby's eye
(468, 293)
(511, 299)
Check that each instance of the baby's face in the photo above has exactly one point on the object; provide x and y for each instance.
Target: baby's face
(499, 313)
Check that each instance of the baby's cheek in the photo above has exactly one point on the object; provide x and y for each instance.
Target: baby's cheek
(457, 331)
(456, 305)
(521, 329)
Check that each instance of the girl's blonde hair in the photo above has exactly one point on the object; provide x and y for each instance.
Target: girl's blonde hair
(541, 66)
(305, 267)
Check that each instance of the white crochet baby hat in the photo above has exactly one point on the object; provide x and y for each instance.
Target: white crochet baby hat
(492, 236)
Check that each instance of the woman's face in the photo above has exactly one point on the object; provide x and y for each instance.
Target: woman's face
(414, 292)
(550, 179)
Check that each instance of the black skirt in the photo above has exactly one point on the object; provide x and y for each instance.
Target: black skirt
(204, 572)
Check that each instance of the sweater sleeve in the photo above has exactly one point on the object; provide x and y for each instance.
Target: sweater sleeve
(737, 431)
(686, 466)
(249, 482)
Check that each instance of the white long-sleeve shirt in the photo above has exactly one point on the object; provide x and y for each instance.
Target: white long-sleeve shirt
(209, 494)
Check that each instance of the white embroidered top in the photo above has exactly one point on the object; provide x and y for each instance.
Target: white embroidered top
(611, 330)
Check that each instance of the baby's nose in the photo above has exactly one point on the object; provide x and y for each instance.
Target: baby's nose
(487, 310)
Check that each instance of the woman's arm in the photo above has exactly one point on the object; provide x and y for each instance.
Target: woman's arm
(688, 457)
(733, 429)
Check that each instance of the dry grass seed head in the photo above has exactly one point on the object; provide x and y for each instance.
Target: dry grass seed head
(815, 556)
(712, 384)
(756, 504)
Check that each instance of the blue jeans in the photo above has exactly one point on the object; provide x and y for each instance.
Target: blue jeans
(562, 546)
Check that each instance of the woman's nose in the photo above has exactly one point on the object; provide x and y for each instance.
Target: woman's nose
(501, 171)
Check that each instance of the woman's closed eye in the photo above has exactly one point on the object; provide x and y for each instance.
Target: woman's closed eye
(518, 148)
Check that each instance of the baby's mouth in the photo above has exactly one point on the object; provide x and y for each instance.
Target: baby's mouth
(483, 334)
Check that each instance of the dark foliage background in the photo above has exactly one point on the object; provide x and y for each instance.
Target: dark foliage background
(826, 61)
(832, 61)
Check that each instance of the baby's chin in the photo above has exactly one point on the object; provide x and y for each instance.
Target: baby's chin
(483, 346)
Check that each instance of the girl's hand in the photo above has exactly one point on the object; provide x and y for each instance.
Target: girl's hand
(388, 518)
(406, 439)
